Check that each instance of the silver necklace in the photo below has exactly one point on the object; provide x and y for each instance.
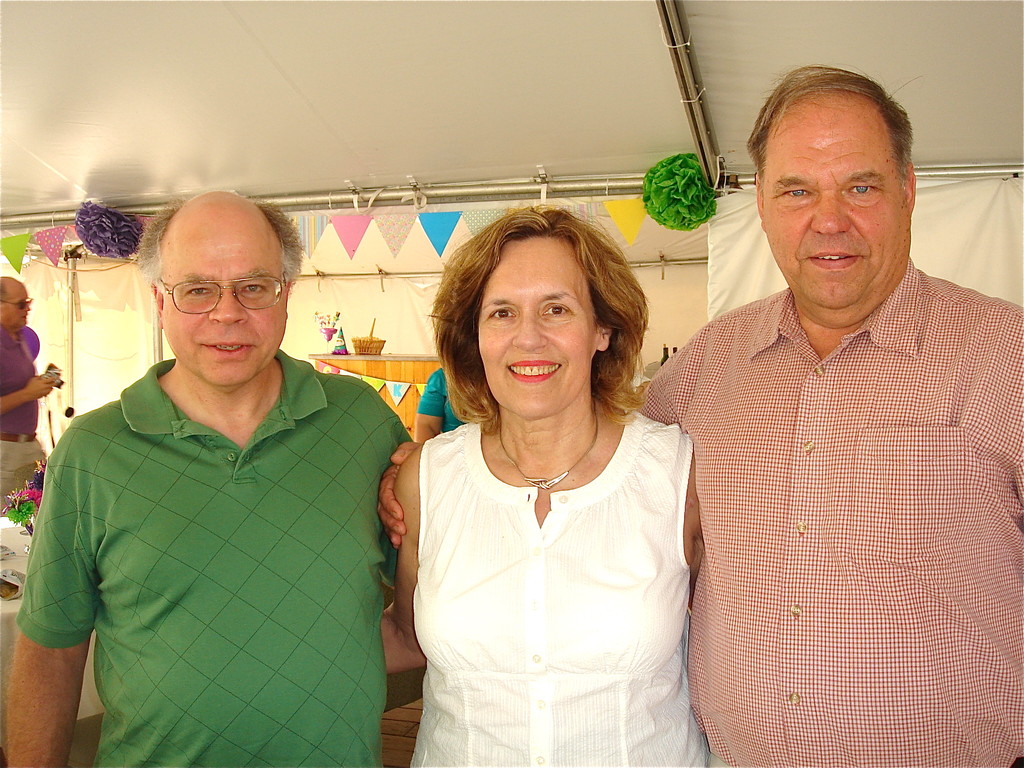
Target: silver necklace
(539, 482)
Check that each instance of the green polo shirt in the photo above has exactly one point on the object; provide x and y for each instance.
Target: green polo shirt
(235, 594)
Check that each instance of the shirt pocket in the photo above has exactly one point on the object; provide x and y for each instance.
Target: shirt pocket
(911, 494)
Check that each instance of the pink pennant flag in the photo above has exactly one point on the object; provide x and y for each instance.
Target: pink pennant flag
(350, 231)
(395, 228)
(50, 241)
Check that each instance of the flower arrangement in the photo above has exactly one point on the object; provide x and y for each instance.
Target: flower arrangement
(22, 505)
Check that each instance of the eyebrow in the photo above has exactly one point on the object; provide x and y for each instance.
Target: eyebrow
(194, 277)
(860, 177)
(559, 295)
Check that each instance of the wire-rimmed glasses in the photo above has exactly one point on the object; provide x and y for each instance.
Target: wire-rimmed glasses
(202, 296)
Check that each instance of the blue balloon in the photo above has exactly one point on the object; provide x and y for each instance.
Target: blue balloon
(31, 341)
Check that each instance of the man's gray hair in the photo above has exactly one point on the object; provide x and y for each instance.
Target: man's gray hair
(807, 82)
(148, 254)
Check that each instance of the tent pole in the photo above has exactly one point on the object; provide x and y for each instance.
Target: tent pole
(158, 334)
(677, 40)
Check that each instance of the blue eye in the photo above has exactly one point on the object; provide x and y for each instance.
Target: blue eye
(862, 189)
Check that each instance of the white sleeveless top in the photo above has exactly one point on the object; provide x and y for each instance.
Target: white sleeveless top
(560, 645)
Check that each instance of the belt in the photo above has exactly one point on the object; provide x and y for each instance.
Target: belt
(9, 437)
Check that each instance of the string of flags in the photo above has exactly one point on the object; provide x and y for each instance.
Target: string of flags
(397, 389)
(627, 215)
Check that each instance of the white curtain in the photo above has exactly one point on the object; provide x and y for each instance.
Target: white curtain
(969, 232)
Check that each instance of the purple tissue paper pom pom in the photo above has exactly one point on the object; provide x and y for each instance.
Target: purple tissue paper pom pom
(107, 232)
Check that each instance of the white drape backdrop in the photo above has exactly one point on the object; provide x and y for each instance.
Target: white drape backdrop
(969, 232)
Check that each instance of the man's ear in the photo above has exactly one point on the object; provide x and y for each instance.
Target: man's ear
(760, 198)
(910, 187)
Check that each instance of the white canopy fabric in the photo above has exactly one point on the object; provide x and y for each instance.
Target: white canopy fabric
(969, 232)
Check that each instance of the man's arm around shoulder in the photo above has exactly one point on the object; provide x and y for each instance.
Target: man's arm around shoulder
(43, 691)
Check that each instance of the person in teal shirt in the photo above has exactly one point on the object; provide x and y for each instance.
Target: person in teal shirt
(434, 413)
(216, 529)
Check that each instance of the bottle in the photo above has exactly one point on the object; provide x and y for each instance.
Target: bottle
(664, 354)
(674, 350)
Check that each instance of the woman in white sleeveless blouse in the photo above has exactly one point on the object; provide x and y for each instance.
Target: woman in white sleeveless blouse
(545, 571)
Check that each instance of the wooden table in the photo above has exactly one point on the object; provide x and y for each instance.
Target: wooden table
(405, 369)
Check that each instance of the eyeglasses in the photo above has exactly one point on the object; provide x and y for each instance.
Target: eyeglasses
(23, 304)
(197, 298)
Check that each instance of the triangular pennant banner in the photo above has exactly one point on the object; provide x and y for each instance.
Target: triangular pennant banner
(350, 231)
(328, 368)
(50, 241)
(584, 210)
(421, 388)
(325, 367)
(439, 227)
(311, 228)
(477, 220)
(397, 390)
(14, 247)
(395, 228)
(375, 383)
(628, 215)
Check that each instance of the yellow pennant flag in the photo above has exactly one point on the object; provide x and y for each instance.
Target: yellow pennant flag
(14, 249)
(628, 215)
(374, 382)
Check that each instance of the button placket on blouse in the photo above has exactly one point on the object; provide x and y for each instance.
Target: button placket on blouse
(541, 721)
(534, 597)
(541, 728)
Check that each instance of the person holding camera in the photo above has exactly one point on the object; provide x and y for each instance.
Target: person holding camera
(20, 390)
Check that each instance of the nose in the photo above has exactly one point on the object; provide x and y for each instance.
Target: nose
(529, 333)
(228, 309)
(830, 215)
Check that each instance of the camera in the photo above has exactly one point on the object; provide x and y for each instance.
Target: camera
(52, 375)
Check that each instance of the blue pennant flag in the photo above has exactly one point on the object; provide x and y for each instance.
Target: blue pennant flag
(439, 227)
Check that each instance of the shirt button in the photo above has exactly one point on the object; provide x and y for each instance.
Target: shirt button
(808, 446)
(563, 499)
(541, 704)
(794, 698)
(796, 610)
(819, 371)
(540, 761)
(536, 658)
(231, 457)
(801, 527)
(535, 552)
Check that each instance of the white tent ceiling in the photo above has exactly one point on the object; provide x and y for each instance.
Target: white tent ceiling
(128, 103)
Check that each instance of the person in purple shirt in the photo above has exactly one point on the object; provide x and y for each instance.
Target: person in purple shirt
(20, 390)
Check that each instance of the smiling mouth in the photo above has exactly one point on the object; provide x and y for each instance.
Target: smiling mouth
(228, 347)
(533, 370)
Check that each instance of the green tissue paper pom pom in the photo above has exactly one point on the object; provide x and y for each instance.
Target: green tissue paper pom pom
(676, 194)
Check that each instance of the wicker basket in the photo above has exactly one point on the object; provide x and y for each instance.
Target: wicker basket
(367, 345)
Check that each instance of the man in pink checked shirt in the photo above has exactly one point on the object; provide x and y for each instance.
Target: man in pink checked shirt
(858, 446)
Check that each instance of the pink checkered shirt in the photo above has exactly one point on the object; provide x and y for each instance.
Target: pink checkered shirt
(861, 600)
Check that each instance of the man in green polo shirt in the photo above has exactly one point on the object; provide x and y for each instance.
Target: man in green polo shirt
(216, 528)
